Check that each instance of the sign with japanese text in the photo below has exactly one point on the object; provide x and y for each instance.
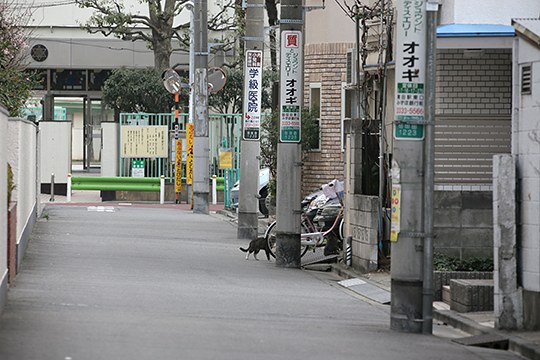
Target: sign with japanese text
(291, 86)
(225, 160)
(189, 153)
(178, 167)
(396, 212)
(137, 168)
(252, 95)
(410, 69)
(145, 142)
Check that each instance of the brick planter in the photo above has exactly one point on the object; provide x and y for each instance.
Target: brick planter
(12, 242)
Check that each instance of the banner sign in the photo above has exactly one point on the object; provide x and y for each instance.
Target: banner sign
(252, 95)
(189, 153)
(291, 86)
(410, 69)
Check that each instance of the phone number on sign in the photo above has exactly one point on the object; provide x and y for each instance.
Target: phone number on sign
(410, 111)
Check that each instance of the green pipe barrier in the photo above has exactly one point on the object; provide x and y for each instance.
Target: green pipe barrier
(115, 187)
(112, 183)
(114, 179)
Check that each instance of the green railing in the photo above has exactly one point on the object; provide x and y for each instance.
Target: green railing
(114, 183)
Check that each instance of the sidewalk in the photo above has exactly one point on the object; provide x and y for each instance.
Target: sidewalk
(524, 343)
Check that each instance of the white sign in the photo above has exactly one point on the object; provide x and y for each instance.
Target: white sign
(410, 69)
(291, 86)
(252, 95)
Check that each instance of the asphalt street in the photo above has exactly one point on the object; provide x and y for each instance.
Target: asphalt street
(124, 282)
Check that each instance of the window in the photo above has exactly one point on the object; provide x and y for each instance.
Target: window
(315, 110)
(526, 79)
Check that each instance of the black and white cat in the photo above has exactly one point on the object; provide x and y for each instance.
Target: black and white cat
(257, 245)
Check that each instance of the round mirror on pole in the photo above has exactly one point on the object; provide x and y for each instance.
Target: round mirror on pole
(171, 81)
(216, 79)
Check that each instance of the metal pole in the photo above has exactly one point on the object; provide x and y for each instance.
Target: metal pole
(162, 189)
(214, 190)
(178, 164)
(289, 149)
(189, 187)
(201, 163)
(250, 146)
(52, 187)
(429, 153)
(68, 191)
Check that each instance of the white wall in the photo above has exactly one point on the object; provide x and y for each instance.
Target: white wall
(329, 25)
(527, 134)
(487, 11)
(109, 160)
(22, 155)
(55, 142)
(3, 206)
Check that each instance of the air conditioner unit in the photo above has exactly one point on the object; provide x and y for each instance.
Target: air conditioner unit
(351, 67)
(352, 78)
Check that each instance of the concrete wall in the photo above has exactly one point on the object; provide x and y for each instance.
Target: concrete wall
(22, 155)
(463, 223)
(3, 207)
(526, 147)
(109, 159)
(507, 292)
(363, 229)
(55, 142)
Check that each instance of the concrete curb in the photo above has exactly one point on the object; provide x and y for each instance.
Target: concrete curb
(515, 344)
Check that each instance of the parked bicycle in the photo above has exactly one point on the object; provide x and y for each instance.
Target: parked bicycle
(321, 221)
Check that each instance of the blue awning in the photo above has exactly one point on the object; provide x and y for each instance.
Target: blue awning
(475, 30)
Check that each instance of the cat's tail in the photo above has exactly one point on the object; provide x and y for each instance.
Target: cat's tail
(244, 250)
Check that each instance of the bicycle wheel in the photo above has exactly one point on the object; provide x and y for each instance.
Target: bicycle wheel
(270, 236)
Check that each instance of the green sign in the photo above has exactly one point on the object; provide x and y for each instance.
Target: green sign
(409, 131)
(137, 168)
(290, 124)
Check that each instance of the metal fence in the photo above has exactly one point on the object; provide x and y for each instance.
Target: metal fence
(223, 134)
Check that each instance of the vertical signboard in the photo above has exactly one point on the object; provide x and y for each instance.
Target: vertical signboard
(291, 81)
(410, 69)
(189, 153)
(178, 167)
(252, 95)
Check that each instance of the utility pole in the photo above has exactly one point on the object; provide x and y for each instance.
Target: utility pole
(432, 8)
(201, 164)
(251, 119)
(407, 235)
(289, 149)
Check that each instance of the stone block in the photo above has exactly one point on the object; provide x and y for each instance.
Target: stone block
(471, 295)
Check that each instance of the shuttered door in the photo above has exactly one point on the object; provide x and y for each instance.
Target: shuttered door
(464, 148)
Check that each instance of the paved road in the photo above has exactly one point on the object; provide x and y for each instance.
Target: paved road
(161, 283)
